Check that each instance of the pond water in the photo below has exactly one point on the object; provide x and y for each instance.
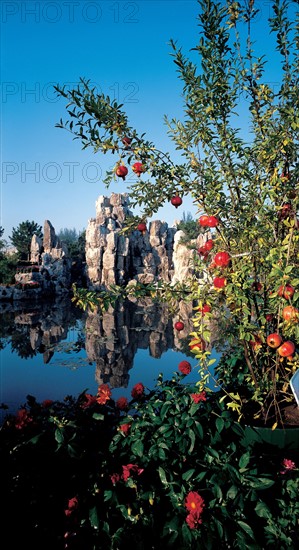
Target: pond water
(50, 350)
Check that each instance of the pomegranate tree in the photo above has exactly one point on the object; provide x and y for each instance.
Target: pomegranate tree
(238, 142)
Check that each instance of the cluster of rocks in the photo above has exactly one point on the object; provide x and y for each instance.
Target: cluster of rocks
(114, 258)
(47, 273)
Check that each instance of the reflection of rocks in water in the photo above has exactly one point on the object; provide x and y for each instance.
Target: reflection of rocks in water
(107, 344)
(39, 329)
(113, 337)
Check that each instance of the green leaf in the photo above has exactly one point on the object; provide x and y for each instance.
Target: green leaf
(232, 492)
(262, 510)
(59, 435)
(35, 439)
(219, 424)
(199, 429)
(244, 460)
(192, 437)
(72, 451)
(108, 495)
(187, 536)
(246, 528)
(137, 448)
(172, 526)
(217, 491)
(161, 454)
(219, 528)
(166, 430)
(261, 483)
(163, 476)
(187, 475)
(200, 476)
(98, 416)
(193, 409)
(213, 453)
(164, 409)
(94, 518)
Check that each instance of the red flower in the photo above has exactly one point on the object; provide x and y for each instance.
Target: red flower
(122, 403)
(129, 469)
(195, 504)
(115, 478)
(288, 465)
(23, 418)
(137, 390)
(104, 394)
(185, 367)
(47, 403)
(125, 428)
(193, 520)
(90, 400)
(72, 505)
(197, 397)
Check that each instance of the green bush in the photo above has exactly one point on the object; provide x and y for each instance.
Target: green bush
(168, 469)
(190, 227)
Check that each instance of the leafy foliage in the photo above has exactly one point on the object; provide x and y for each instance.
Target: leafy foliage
(75, 242)
(21, 237)
(8, 263)
(96, 473)
(190, 227)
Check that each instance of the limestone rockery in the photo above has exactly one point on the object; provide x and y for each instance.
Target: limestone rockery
(114, 258)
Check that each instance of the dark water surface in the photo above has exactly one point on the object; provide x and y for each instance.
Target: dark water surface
(50, 350)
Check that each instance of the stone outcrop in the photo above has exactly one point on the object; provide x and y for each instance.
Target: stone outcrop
(49, 270)
(47, 273)
(114, 258)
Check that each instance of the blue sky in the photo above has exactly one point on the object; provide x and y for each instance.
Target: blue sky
(122, 47)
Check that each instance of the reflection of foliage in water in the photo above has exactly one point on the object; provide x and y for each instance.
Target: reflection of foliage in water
(20, 342)
(42, 319)
(7, 327)
(77, 363)
(70, 347)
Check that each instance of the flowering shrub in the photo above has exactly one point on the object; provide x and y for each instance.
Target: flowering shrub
(170, 470)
